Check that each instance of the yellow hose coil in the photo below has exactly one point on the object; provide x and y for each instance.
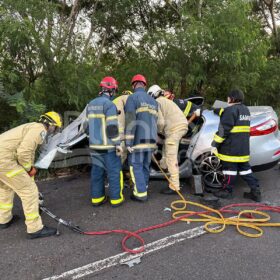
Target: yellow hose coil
(241, 221)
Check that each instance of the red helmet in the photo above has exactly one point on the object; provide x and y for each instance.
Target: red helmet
(109, 82)
(139, 78)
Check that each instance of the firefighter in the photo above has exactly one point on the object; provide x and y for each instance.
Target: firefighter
(189, 109)
(17, 152)
(141, 112)
(231, 145)
(105, 145)
(172, 124)
(120, 102)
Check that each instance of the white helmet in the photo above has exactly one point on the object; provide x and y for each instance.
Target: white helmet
(155, 91)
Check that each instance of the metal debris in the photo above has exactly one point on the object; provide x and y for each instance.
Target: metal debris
(132, 262)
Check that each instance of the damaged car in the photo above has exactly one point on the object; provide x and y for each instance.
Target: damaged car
(70, 147)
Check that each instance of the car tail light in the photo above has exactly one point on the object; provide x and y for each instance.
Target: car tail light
(277, 153)
(264, 128)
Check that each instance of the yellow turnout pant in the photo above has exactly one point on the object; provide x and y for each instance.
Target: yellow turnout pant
(170, 157)
(14, 179)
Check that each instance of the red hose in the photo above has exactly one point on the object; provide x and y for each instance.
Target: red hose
(226, 209)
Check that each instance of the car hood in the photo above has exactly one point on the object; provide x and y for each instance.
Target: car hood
(61, 142)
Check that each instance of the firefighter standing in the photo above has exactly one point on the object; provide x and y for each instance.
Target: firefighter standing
(120, 102)
(173, 125)
(140, 135)
(17, 152)
(232, 142)
(105, 145)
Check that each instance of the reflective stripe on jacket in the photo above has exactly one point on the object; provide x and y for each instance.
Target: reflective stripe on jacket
(233, 136)
(19, 145)
(141, 113)
(186, 106)
(103, 123)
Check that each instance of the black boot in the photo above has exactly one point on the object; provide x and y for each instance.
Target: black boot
(223, 194)
(14, 219)
(254, 194)
(139, 199)
(44, 232)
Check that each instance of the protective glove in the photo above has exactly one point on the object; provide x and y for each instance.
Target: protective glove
(197, 112)
(32, 172)
(130, 150)
(119, 150)
(214, 151)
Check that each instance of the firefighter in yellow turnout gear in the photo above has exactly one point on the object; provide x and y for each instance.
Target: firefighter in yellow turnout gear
(17, 152)
(120, 104)
(173, 124)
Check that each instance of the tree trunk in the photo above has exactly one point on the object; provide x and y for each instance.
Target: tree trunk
(90, 32)
(100, 52)
(270, 5)
(199, 8)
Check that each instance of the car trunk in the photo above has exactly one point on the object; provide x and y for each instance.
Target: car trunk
(260, 114)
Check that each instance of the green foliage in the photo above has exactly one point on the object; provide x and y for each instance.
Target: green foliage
(54, 53)
(267, 90)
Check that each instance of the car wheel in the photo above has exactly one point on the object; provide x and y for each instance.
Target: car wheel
(210, 167)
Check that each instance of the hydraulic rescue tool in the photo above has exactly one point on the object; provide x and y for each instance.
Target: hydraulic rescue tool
(60, 221)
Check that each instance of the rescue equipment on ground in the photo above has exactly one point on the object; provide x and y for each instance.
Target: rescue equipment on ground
(253, 219)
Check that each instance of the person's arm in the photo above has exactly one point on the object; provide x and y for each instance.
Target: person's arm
(130, 121)
(192, 110)
(219, 111)
(27, 148)
(226, 124)
(160, 120)
(112, 127)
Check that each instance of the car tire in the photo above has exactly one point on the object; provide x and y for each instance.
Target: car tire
(210, 167)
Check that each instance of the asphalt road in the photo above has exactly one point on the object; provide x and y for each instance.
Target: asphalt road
(190, 254)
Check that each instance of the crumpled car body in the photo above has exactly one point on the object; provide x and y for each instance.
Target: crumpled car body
(70, 147)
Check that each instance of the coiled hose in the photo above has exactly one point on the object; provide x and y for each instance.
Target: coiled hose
(254, 219)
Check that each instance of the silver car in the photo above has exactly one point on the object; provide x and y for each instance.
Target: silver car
(71, 146)
(194, 152)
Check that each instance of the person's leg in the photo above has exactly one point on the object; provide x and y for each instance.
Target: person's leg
(146, 166)
(25, 187)
(6, 203)
(115, 177)
(172, 146)
(162, 162)
(247, 175)
(230, 175)
(27, 190)
(137, 174)
(97, 178)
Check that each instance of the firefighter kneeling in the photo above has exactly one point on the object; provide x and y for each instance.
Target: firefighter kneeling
(17, 152)
(232, 141)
